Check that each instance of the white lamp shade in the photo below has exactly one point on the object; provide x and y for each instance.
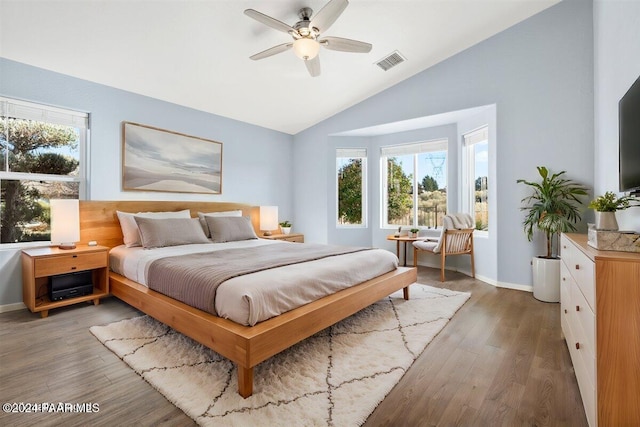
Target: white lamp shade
(306, 48)
(65, 221)
(268, 217)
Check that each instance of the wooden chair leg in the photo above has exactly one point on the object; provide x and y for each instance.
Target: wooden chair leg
(473, 269)
(442, 258)
(415, 256)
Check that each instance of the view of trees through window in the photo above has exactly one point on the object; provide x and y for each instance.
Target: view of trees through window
(475, 176)
(351, 182)
(416, 187)
(40, 161)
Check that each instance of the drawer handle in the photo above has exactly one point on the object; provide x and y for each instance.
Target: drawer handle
(564, 246)
(564, 279)
(73, 268)
(74, 256)
(577, 308)
(577, 346)
(577, 266)
(566, 311)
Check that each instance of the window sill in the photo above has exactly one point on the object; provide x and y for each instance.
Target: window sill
(23, 245)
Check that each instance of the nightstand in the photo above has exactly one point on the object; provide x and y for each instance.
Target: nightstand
(291, 237)
(43, 266)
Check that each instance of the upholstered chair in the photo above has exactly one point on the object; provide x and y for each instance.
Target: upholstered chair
(456, 238)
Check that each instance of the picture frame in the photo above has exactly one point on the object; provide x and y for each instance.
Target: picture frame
(155, 159)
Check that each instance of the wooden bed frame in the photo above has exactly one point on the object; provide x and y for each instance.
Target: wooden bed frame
(246, 346)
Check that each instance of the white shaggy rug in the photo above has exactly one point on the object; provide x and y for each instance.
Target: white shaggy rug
(334, 378)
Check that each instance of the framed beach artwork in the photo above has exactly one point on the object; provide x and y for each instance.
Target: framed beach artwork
(156, 159)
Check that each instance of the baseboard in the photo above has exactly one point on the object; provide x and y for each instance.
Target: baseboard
(12, 307)
(516, 286)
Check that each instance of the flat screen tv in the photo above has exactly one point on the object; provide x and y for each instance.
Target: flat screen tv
(629, 117)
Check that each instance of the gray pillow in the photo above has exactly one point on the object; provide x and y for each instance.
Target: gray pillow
(203, 222)
(230, 228)
(158, 233)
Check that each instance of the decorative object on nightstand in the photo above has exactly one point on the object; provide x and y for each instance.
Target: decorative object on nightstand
(414, 232)
(606, 207)
(291, 237)
(268, 219)
(285, 226)
(65, 223)
(53, 278)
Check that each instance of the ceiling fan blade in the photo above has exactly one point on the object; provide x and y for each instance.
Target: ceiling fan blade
(313, 66)
(328, 14)
(269, 21)
(345, 45)
(271, 51)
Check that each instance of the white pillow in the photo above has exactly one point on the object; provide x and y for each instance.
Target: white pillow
(130, 231)
(203, 222)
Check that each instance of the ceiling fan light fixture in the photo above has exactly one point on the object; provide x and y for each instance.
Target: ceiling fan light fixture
(306, 48)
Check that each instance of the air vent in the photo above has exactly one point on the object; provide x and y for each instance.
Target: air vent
(391, 60)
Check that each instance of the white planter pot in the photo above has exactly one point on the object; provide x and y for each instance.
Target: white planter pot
(546, 279)
(606, 221)
(286, 230)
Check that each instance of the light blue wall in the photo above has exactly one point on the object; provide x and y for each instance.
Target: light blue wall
(256, 161)
(539, 74)
(617, 66)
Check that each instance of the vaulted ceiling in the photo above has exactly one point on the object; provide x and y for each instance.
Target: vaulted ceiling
(196, 53)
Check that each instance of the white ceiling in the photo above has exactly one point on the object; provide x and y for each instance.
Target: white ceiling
(196, 53)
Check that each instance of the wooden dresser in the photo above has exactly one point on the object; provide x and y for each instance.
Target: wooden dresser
(600, 303)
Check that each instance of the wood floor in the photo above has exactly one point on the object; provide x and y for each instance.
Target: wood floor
(501, 361)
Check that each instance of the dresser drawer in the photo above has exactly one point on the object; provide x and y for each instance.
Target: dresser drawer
(582, 322)
(50, 266)
(581, 268)
(587, 388)
(566, 282)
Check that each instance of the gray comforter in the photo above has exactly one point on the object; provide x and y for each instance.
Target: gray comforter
(194, 278)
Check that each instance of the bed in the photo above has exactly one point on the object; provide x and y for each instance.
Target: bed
(246, 346)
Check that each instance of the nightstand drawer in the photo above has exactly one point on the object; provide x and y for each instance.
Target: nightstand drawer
(50, 266)
(296, 239)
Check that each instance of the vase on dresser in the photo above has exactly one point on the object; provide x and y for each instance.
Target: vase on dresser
(606, 221)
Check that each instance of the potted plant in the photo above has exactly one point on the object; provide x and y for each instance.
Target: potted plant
(606, 207)
(414, 232)
(553, 208)
(285, 226)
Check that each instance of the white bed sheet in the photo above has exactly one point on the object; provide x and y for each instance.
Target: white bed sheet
(255, 297)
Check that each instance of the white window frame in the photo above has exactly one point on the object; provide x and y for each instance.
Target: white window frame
(55, 115)
(352, 153)
(415, 149)
(468, 180)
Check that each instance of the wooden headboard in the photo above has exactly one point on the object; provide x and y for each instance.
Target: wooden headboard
(99, 222)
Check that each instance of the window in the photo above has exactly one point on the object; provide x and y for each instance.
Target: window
(475, 171)
(414, 184)
(351, 167)
(42, 151)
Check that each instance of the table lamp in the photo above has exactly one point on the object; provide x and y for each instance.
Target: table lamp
(268, 219)
(65, 223)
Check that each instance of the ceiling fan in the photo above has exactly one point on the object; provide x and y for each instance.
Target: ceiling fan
(306, 34)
